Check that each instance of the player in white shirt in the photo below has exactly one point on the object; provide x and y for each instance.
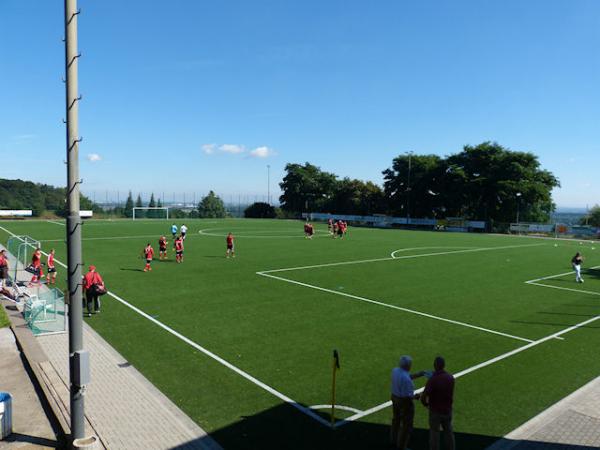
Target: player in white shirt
(183, 231)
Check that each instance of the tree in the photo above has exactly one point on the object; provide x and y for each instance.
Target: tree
(260, 210)
(139, 204)
(486, 182)
(306, 188)
(593, 217)
(129, 205)
(152, 204)
(211, 207)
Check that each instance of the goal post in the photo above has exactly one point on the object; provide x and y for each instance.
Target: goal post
(147, 212)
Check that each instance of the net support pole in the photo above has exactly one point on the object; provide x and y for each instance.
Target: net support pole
(73, 228)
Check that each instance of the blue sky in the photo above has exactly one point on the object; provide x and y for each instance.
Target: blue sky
(193, 95)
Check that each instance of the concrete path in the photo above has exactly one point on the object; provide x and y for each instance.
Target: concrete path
(31, 427)
(125, 409)
(571, 424)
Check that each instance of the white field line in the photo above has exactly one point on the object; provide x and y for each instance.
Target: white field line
(341, 407)
(212, 355)
(563, 288)
(558, 275)
(241, 236)
(399, 308)
(389, 258)
(108, 238)
(393, 254)
(56, 223)
(477, 367)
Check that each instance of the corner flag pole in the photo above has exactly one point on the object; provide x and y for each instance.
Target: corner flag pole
(335, 367)
(78, 369)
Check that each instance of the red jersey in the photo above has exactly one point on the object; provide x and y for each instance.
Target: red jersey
(36, 259)
(179, 245)
(3, 261)
(162, 243)
(149, 252)
(91, 278)
(51, 261)
(230, 239)
(306, 228)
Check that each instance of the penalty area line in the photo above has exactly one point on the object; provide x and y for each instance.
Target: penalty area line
(208, 353)
(399, 308)
(476, 367)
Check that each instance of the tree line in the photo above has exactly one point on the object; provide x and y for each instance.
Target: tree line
(483, 182)
(40, 198)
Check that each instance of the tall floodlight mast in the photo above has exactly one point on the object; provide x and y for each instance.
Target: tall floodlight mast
(78, 358)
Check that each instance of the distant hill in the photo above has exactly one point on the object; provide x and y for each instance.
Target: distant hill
(19, 194)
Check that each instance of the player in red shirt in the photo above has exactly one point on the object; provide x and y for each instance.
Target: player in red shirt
(330, 225)
(36, 263)
(179, 249)
(309, 230)
(162, 248)
(91, 281)
(148, 254)
(51, 268)
(230, 246)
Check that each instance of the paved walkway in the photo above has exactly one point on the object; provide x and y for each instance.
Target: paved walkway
(31, 427)
(124, 408)
(571, 424)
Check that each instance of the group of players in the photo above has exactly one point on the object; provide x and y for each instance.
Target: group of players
(178, 245)
(337, 228)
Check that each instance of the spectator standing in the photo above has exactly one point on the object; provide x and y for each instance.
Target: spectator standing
(3, 268)
(438, 397)
(92, 284)
(403, 396)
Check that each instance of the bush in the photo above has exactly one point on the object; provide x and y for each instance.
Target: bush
(260, 210)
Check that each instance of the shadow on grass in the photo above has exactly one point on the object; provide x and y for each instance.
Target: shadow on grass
(283, 427)
(129, 269)
(554, 324)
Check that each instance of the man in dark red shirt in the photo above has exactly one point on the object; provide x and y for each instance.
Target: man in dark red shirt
(438, 397)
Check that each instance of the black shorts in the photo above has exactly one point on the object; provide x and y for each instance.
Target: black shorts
(179, 252)
(51, 269)
(340, 232)
(163, 249)
(148, 261)
(229, 246)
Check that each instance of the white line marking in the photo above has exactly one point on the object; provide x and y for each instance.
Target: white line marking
(212, 355)
(56, 223)
(393, 254)
(343, 263)
(342, 407)
(558, 275)
(563, 288)
(387, 305)
(286, 236)
(477, 367)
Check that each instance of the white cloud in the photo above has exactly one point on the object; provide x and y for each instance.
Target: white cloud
(94, 157)
(262, 152)
(209, 149)
(234, 149)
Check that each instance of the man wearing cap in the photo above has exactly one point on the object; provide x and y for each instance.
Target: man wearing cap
(90, 281)
(403, 394)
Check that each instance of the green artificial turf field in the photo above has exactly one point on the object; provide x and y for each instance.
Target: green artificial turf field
(250, 337)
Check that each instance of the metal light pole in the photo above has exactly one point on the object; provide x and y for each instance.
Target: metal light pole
(78, 359)
(269, 184)
(518, 205)
(408, 188)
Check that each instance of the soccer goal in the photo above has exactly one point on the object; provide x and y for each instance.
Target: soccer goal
(157, 212)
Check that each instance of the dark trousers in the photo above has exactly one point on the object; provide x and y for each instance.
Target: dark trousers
(402, 421)
(92, 301)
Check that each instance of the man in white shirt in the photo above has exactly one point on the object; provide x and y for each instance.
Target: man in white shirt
(183, 231)
(403, 394)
